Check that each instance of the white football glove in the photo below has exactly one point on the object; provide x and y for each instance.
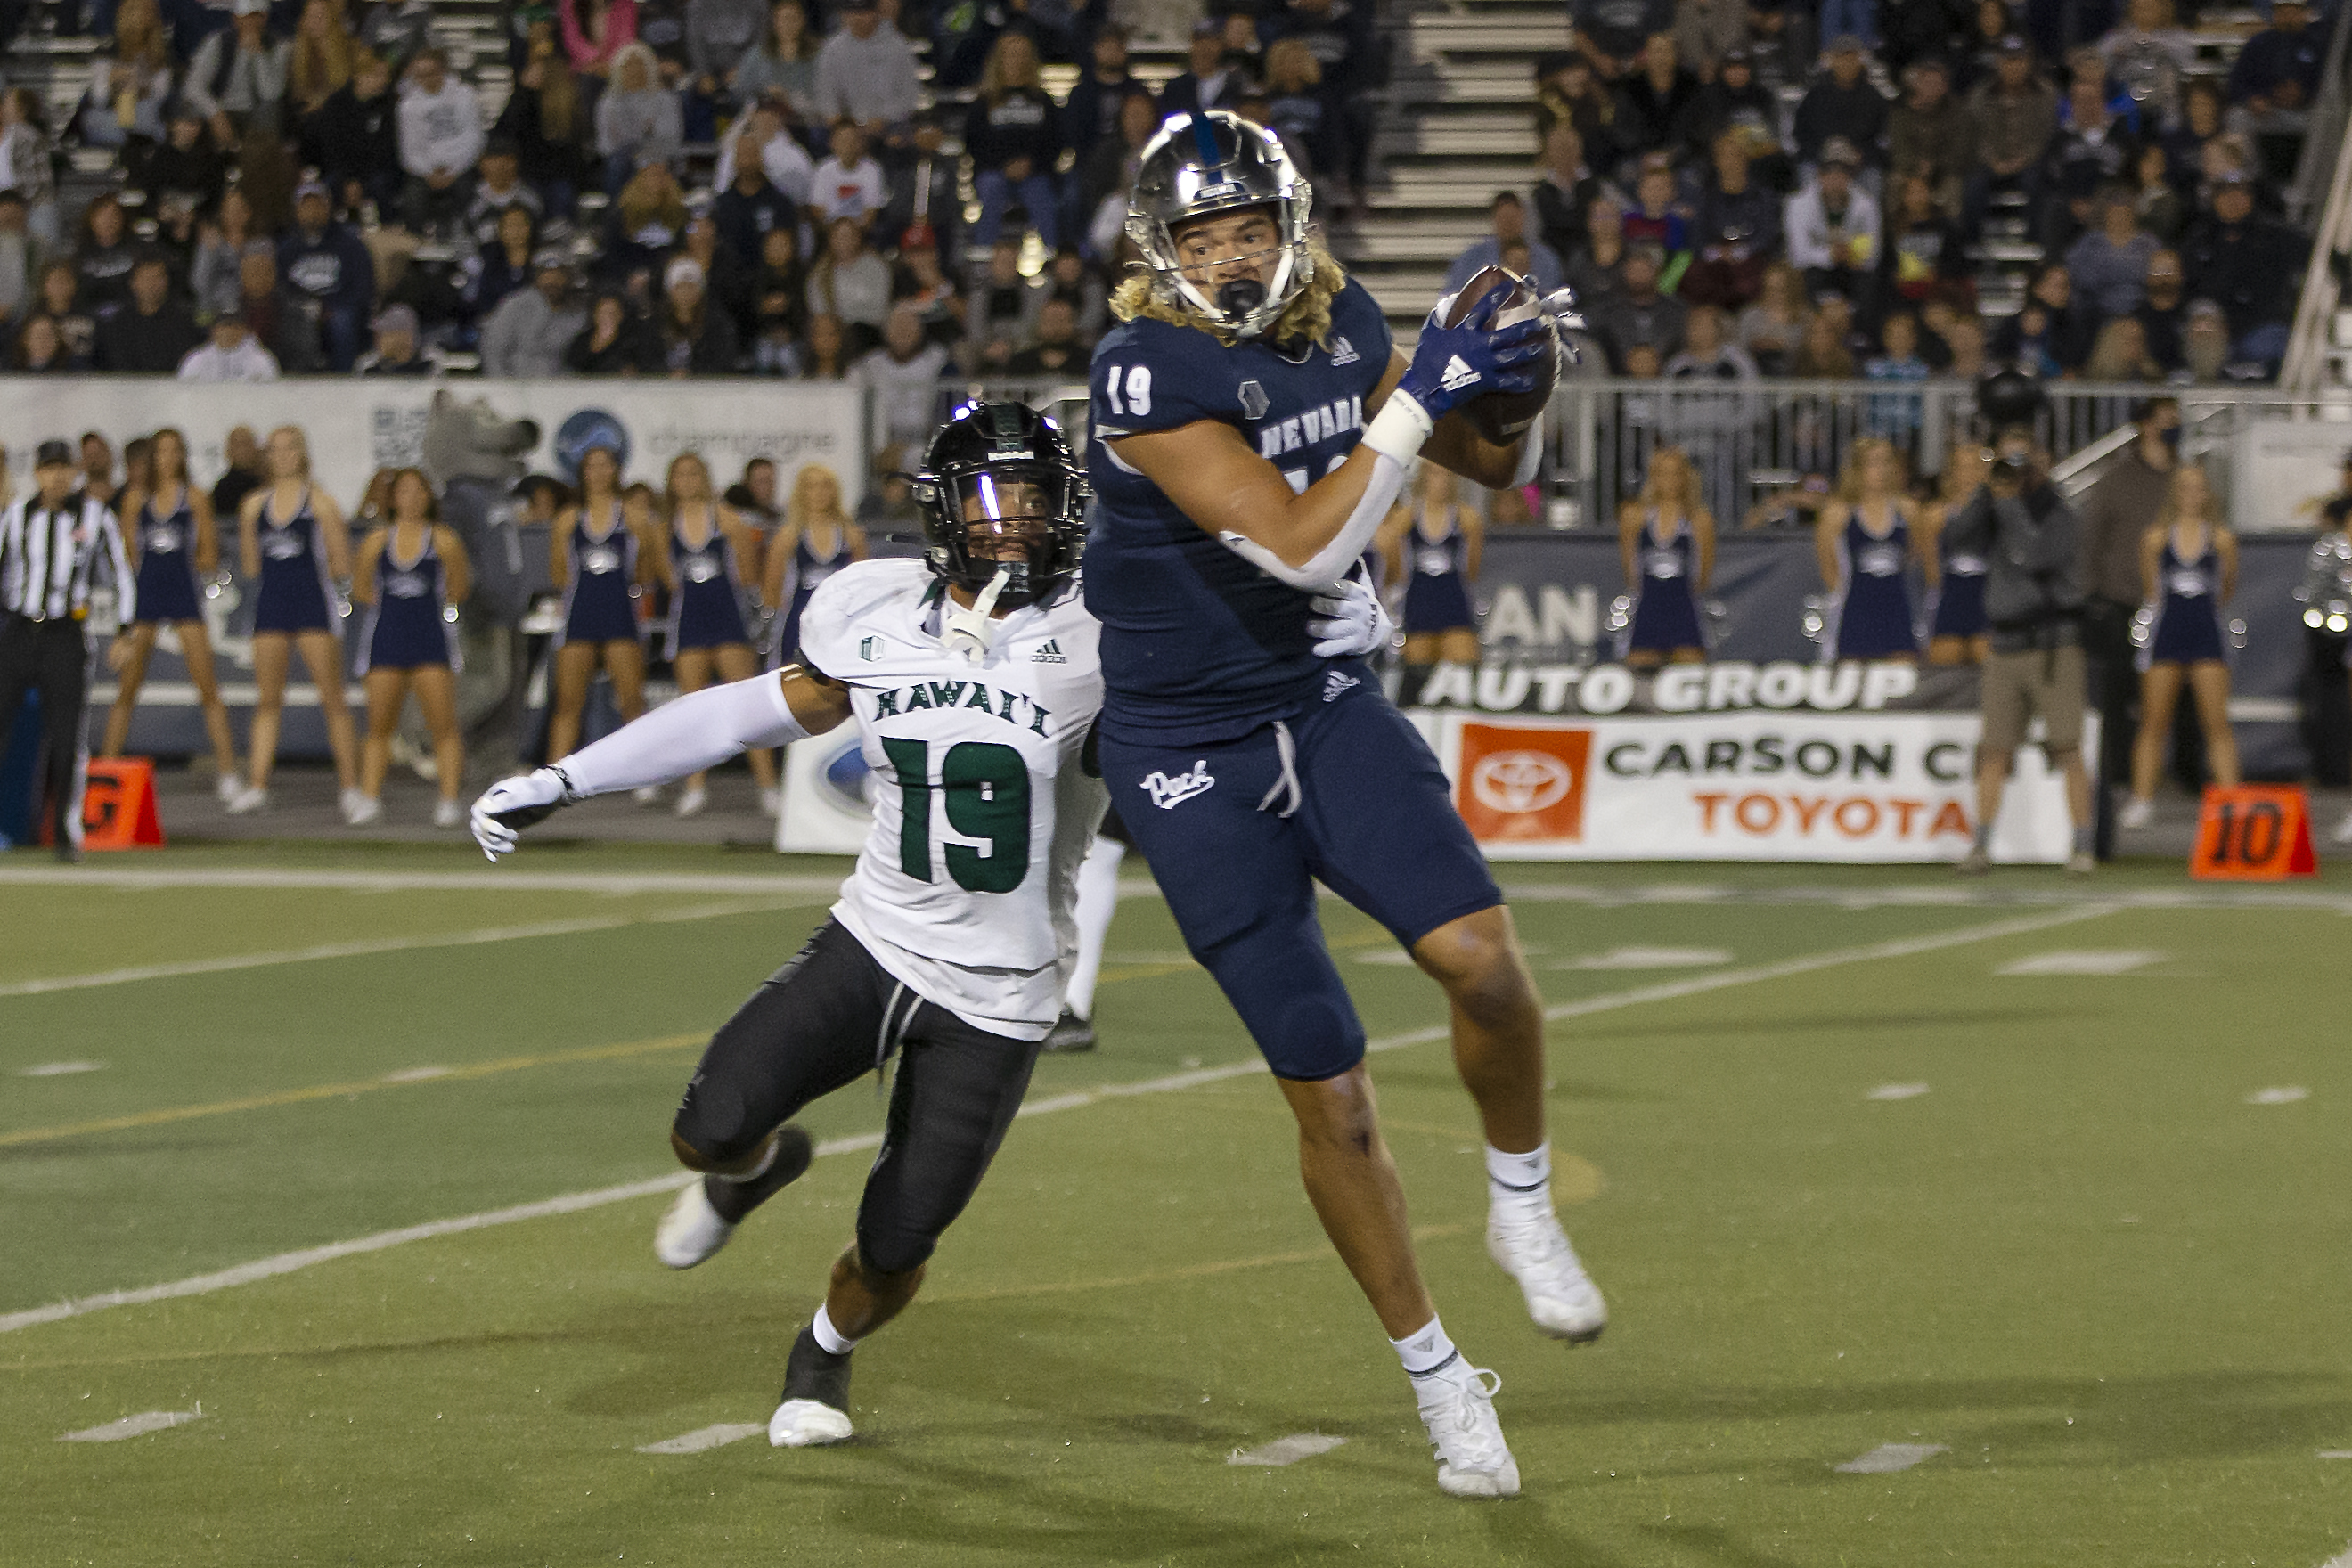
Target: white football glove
(511, 805)
(1350, 621)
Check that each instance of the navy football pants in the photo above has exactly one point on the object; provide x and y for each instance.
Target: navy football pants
(1369, 814)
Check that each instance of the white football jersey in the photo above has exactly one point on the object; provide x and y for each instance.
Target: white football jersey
(981, 813)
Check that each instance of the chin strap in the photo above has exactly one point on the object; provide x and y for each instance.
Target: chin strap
(966, 631)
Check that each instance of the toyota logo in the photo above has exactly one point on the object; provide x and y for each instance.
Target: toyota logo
(1520, 781)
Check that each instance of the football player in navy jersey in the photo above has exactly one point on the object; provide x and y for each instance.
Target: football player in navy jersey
(1253, 425)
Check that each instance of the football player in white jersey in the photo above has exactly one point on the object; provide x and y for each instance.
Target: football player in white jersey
(973, 679)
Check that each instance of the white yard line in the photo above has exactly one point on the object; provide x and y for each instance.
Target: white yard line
(236, 961)
(517, 877)
(573, 1202)
(483, 878)
(1888, 1458)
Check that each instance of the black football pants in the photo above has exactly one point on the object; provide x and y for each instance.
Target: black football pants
(52, 658)
(826, 1019)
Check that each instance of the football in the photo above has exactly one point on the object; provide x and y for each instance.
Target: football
(1502, 417)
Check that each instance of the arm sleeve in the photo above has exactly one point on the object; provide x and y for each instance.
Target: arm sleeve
(686, 736)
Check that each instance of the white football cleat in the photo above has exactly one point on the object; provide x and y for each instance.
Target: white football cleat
(2135, 814)
(691, 1230)
(1561, 1298)
(1458, 1406)
(692, 801)
(448, 814)
(806, 1424)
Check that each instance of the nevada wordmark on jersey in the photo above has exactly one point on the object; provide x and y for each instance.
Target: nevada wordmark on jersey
(981, 810)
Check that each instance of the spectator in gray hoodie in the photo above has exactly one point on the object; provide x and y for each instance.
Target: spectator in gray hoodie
(441, 140)
(527, 334)
(639, 120)
(866, 71)
(2110, 263)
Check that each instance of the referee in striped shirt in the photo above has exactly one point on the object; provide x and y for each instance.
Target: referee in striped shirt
(55, 545)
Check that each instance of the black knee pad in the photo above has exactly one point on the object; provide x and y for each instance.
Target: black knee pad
(715, 1122)
(887, 1249)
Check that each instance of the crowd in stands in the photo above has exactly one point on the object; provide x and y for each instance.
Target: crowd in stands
(673, 188)
(1705, 241)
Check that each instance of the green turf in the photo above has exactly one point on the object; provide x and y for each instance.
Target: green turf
(2113, 1288)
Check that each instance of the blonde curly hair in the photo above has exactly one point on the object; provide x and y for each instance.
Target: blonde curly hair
(1307, 316)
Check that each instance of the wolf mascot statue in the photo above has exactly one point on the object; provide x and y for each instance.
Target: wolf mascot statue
(473, 456)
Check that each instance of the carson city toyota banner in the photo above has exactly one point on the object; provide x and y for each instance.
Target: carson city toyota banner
(1794, 784)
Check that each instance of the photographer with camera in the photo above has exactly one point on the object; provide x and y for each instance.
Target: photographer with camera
(2031, 540)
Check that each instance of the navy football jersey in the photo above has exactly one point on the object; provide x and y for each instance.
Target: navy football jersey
(1198, 643)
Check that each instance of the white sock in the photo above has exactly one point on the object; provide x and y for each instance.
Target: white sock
(1426, 1350)
(1097, 902)
(1516, 1182)
(830, 1339)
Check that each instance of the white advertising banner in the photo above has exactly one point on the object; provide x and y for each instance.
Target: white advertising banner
(2281, 470)
(358, 425)
(826, 782)
(1853, 786)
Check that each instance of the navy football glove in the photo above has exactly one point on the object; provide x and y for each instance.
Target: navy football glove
(1452, 366)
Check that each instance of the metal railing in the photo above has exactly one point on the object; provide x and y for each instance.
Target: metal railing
(1754, 441)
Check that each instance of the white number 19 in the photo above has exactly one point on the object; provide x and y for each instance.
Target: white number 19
(1138, 389)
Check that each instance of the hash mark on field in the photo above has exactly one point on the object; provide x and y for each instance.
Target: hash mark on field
(1648, 958)
(1897, 1091)
(416, 1075)
(57, 1069)
(2336, 1453)
(2090, 961)
(135, 1425)
(1889, 1457)
(1285, 1451)
(706, 1437)
(2341, 1560)
(2284, 1094)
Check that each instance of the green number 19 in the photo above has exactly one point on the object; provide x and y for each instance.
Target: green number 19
(987, 790)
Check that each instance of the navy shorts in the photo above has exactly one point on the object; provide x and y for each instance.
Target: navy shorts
(1370, 817)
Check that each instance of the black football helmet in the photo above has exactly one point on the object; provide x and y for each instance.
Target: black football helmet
(1000, 473)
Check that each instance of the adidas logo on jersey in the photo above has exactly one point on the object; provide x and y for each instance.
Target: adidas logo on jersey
(1457, 376)
(1343, 352)
(1336, 681)
(1167, 794)
(1050, 654)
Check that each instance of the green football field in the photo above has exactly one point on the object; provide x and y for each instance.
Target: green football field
(2032, 1196)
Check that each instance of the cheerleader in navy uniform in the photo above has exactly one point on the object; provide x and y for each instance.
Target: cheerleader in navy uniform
(711, 551)
(1667, 540)
(411, 575)
(169, 529)
(1432, 546)
(290, 536)
(1865, 548)
(2189, 564)
(1958, 631)
(598, 560)
(818, 539)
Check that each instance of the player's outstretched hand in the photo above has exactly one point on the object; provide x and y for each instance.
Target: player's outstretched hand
(1452, 366)
(509, 806)
(1350, 621)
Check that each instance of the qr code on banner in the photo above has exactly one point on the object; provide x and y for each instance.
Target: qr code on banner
(396, 436)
